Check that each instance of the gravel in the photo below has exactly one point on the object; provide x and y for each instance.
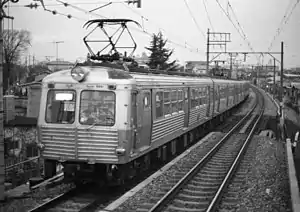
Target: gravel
(34, 199)
(270, 107)
(267, 186)
(144, 195)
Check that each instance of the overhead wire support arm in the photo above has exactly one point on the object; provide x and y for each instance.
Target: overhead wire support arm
(245, 52)
(97, 8)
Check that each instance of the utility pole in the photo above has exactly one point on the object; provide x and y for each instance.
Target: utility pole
(274, 76)
(57, 42)
(230, 54)
(281, 81)
(2, 163)
(207, 53)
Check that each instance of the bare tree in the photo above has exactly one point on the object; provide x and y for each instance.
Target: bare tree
(16, 43)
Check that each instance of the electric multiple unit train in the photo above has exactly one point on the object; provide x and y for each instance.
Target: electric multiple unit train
(97, 119)
(106, 122)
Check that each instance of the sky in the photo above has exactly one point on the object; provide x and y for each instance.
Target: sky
(183, 22)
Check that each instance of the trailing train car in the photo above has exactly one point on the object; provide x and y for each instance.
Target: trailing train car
(105, 123)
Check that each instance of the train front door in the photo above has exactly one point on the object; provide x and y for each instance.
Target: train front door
(144, 118)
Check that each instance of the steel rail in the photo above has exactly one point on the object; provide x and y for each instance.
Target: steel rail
(214, 203)
(175, 189)
(54, 201)
(48, 181)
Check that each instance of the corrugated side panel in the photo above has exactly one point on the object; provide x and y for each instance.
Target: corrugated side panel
(222, 104)
(59, 142)
(163, 127)
(97, 144)
(196, 115)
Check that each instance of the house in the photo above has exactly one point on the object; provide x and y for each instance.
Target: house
(142, 60)
(197, 67)
(59, 65)
(33, 90)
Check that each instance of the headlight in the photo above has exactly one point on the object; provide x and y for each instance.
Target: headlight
(120, 151)
(78, 73)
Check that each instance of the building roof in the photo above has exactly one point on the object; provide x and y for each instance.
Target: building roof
(196, 62)
(59, 63)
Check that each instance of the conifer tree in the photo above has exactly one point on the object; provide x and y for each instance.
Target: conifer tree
(160, 55)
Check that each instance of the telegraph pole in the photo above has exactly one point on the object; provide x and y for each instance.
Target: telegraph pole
(274, 76)
(207, 53)
(57, 42)
(2, 163)
(281, 81)
(230, 54)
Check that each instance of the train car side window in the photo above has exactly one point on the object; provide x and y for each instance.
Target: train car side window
(174, 100)
(194, 98)
(221, 92)
(200, 96)
(180, 100)
(167, 103)
(159, 104)
(205, 95)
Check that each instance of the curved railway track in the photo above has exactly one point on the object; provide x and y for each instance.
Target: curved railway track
(202, 187)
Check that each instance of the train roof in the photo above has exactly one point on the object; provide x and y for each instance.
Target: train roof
(106, 75)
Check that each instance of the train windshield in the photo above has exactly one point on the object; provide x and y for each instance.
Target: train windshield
(97, 108)
(60, 106)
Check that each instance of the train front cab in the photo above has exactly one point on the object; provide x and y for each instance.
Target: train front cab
(87, 144)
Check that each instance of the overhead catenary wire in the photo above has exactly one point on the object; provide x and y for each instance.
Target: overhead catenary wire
(73, 3)
(133, 28)
(239, 25)
(207, 14)
(155, 24)
(284, 21)
(196, 23)
(237, 29)
(195, 50)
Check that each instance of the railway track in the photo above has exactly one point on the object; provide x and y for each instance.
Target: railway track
(203, 186)
(74, 200)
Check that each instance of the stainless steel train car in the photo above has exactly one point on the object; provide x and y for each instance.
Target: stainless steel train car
(104, 123)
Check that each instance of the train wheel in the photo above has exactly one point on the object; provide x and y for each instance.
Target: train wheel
(49, 168)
